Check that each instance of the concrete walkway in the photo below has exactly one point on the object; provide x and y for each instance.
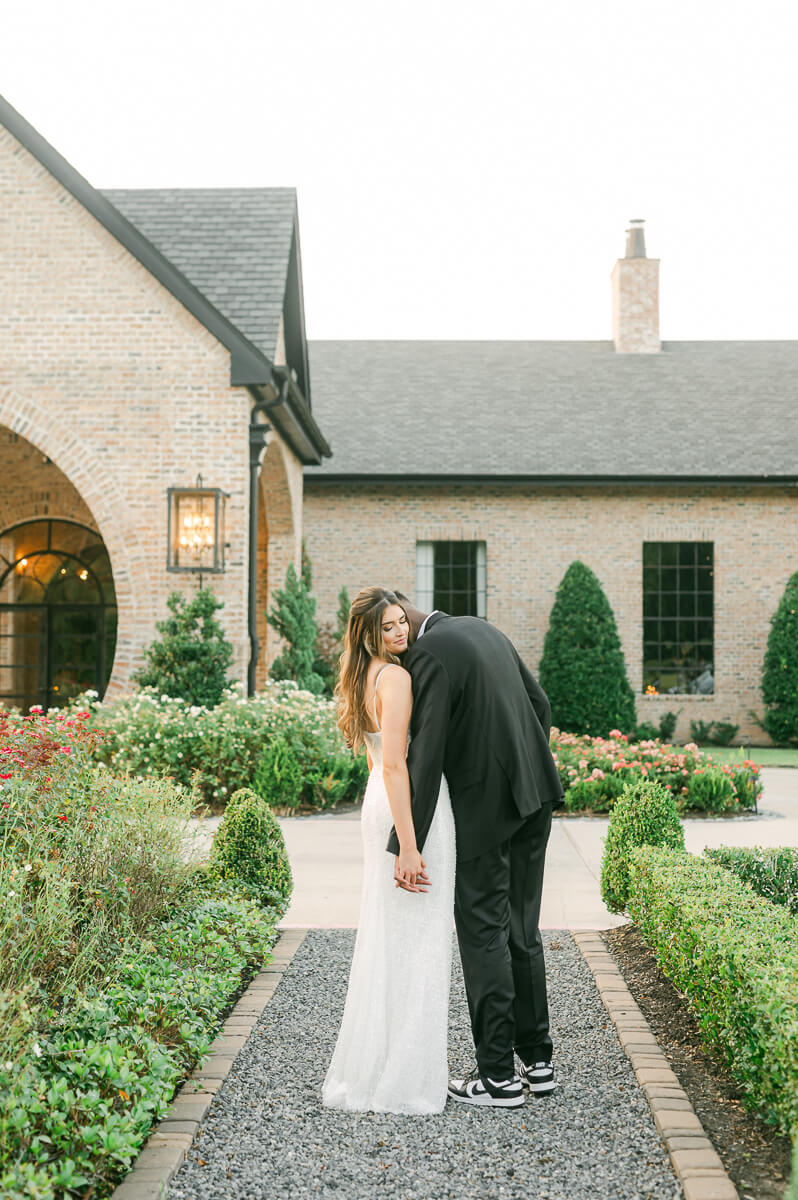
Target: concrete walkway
(326, 858)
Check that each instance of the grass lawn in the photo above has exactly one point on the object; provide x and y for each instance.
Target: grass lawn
(763, 756)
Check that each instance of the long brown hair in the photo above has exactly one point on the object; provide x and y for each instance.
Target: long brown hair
(364, 641)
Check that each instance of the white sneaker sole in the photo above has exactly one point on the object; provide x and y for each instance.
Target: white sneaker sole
(540, 1089)
(488, 1101)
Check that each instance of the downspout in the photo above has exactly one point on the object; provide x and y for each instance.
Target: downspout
(258, 439)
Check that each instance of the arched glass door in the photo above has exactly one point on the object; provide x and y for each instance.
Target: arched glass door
(57, 613)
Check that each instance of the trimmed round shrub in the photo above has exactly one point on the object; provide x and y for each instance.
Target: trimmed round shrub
(249, 847)
(645, 815)
(582, 670)
(278, 775)
(780, 669)
(711, 790)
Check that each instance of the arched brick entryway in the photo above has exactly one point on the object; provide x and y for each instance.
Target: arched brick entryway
(105, 509)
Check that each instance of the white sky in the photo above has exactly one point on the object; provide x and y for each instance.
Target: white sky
(465, 168)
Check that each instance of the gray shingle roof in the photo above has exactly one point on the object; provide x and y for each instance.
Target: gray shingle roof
(233, 244)
(567, 409)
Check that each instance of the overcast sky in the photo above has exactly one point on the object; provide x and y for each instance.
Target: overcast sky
(465, 168)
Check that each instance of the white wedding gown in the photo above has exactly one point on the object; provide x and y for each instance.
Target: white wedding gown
(391, 1053)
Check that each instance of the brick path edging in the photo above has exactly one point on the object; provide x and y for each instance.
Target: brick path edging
(168, 1144)
(695, 1161)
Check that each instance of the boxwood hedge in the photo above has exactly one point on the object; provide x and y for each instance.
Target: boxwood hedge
(735, 955)
(771, 871)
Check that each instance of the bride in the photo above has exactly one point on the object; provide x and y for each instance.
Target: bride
(391, 1053)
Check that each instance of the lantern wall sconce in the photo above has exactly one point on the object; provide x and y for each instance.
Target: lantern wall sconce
(195, 531)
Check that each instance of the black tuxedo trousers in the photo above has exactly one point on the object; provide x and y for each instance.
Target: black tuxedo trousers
(497, 915)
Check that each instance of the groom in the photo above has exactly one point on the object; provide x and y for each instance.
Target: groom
(482, 720)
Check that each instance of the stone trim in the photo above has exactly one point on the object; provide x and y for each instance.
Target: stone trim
(169, 1143)
(695, 1162)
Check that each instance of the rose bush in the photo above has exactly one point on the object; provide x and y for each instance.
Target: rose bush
(594, 771)
(218, 750)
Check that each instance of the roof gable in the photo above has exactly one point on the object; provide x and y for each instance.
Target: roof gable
(249, 366)
(234, 244)
(237, 271)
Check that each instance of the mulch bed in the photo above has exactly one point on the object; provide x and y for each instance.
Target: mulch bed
(756, 1157)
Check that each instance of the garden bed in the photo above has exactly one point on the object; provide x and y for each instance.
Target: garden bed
(119, 953)
(735, 955)
(756, 1156)
(595, 770)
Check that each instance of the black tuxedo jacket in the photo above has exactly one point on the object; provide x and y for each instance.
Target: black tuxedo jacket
(481, 719)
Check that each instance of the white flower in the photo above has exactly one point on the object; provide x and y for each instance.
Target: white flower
(28, 866)
(37, 1050)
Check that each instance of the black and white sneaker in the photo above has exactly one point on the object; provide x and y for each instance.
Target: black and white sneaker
(474, 1089)
(539, 1078)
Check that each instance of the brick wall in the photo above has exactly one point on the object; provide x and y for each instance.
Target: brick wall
(363, 534)
(104, 372)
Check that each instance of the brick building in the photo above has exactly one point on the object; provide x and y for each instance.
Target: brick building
(471, 474)
(154, 415)
(155, 382)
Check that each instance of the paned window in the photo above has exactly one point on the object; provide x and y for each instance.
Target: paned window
(451, 576)
(678, 616)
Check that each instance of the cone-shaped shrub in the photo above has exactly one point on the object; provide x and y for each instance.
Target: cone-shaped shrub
(645, 815)
(780, 671)
(293, 615)
(582, 670)
(249, 846)
(191, 658)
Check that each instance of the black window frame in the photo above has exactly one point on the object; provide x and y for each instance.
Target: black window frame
(678, 616)
(459, 578)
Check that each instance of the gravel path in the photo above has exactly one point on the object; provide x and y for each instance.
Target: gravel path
(266, 1134)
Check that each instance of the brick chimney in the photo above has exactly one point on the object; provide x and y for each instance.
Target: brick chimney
(635, 297)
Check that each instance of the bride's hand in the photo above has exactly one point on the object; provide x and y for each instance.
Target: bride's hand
(410, 871)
